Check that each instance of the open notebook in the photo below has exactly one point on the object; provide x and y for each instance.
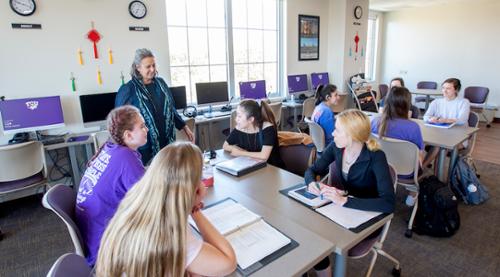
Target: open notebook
(346, 217)
(440, 125)
(241, 165)
(250, 236)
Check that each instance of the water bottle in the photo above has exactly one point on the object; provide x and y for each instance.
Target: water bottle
(208, 171)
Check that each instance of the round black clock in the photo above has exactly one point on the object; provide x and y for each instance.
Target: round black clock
(358, 12)
(23, 7)
(137, 9)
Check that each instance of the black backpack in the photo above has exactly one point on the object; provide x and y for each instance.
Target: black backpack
(437, 213)
(466, 184)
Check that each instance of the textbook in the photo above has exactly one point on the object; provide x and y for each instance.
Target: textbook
(352, 219)
(240, 166)
(251, 237)
(440, 125)
(312, 200)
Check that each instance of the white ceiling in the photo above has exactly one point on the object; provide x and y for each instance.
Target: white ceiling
(393, 5)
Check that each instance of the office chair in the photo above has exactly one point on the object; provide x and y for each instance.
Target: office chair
(61, 200)
(297, 158)
(404, 156)
(70, 264)
(383, 89)
(478, 96)
(317, 134)
(99, 139)
(23, 170)
(425, 85)
(276, 108)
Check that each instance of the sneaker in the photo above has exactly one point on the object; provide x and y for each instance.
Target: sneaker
(410, 201)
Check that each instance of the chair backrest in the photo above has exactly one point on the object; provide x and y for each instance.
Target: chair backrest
(276, 108)
(317, 134)
(308, 107)
(473, 122)
(19, 161)
(427, 85)
(70, 264)
(297, 158)
(403, 155)
(232, 120)
(61, 200)
(99, 139)
(181, 135)
(477, 95)
(383, 89)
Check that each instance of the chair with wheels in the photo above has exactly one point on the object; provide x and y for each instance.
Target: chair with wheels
(70, 264)
(478, 96)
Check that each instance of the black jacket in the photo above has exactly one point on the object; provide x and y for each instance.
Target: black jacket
(368, 182)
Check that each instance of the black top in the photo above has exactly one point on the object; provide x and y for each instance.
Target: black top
(368, 181)
(254, 142)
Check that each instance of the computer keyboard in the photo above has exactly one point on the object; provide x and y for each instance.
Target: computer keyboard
(52, 140)
(216, 114)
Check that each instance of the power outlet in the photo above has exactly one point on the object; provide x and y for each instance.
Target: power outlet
(403, 72)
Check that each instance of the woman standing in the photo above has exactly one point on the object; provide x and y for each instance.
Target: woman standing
(151, 95)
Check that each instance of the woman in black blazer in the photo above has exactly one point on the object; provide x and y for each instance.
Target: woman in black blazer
(365, 180)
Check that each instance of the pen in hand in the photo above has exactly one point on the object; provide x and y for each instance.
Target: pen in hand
(319, 188)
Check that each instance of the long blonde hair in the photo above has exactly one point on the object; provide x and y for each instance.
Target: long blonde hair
(147, 234)
(357, 125)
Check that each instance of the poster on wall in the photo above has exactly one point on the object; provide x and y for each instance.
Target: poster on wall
(308, 37)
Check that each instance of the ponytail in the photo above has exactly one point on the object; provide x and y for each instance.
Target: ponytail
(267, 114)
(372, 144)
(323, 91)
(260, 113)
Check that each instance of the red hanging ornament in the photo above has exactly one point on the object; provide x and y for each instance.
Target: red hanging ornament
(356, 40)
(94, 36)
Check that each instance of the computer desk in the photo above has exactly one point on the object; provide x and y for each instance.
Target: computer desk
(263, 186)
(72, 155)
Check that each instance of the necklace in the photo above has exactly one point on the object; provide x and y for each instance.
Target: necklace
(350, 161)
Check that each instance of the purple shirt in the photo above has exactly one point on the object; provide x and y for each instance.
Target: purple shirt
(106, 181)
(324, 116)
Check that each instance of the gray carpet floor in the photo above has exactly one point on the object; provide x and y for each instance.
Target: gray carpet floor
(35, 238)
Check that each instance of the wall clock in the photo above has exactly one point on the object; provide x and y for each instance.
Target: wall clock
(358, 12)
(23, 7)
(137, 9)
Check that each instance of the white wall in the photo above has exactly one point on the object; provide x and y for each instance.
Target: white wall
(39, 62)
(454, 40)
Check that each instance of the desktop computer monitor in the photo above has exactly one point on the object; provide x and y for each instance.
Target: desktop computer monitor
(31, 114)
(211, 93)
(179, 95)
(253, 89)
(297, 83)
(96, 107)
(319, 79)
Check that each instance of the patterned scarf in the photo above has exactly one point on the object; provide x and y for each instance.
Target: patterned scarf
(145, 97)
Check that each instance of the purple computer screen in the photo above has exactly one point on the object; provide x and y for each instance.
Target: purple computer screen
(253, 89)
(319, 79)
(31, 114)
(297, 83)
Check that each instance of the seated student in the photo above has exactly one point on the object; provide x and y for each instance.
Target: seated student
(112, 171)
(361, 167)
(449, 109)
(149, 235)
(399, 82)
(394, 123)
(326, 97)
(255, 134)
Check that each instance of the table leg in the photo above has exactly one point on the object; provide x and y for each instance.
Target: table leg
(74, 167)
(440, 165)
(295, 119)
(453, 160)
(88, 151)
(427, 101)
(340, 265)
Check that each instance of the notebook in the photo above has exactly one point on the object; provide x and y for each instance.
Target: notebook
(440, 125)
(252, 238)
(240, 166)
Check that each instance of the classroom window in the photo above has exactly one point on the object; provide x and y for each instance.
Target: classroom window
(204, 46)
(371, 47)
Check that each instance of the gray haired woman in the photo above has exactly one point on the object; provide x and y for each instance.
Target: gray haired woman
(152, 96)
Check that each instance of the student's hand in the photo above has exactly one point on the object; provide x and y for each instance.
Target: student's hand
(189, 133)
(236, 151)
(335, 195)
(313, 188)
(434, 119)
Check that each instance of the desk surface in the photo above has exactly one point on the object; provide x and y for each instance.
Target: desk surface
(429, 92)
(312, 248)
(263, 186)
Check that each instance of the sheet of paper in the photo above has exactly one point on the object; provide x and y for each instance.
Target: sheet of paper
(228, 216)
(254, 242)
(346, 217)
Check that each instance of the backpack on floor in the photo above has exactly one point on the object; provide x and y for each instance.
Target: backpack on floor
(437, 213)
(465, 183)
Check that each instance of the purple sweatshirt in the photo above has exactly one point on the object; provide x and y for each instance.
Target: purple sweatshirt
(106, 181)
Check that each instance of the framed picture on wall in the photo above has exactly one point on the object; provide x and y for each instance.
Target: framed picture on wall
(308, 37)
